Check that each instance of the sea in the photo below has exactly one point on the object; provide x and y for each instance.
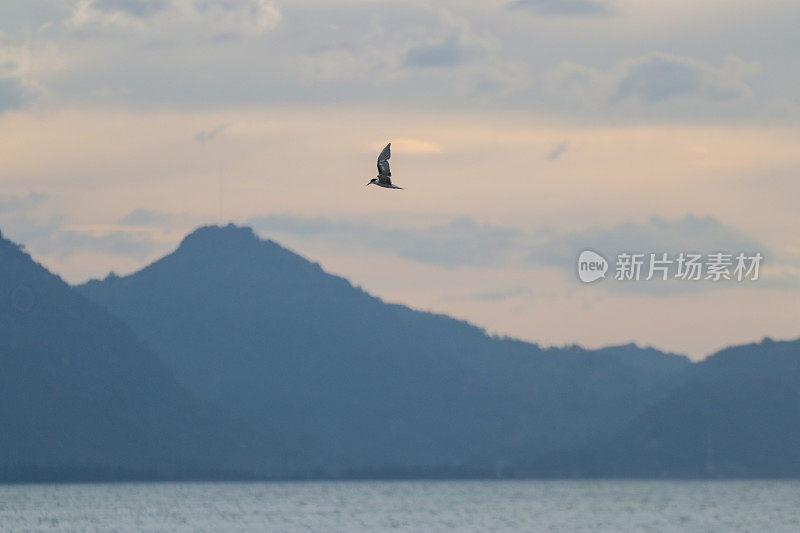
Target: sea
(419, 506)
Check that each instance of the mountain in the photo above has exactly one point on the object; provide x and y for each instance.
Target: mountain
(346, 382)
(234, 357)
(81, 395)
(735, 414)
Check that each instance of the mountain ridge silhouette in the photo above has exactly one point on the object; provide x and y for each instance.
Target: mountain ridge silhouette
(234, 358)
(247, 323)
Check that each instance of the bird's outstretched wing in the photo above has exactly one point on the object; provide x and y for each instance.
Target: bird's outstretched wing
(383, 162)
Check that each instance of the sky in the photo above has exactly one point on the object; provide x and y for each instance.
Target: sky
(523, 131)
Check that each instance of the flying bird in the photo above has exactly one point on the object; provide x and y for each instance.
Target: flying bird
(384, 178)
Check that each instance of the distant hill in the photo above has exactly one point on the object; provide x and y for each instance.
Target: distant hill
(735, 414)
(234, 357)
(348, 382)
(81, 396)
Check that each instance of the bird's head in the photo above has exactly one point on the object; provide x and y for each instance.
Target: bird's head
(373, 180)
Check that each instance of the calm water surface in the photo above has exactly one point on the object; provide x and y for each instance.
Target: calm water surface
(761, 506)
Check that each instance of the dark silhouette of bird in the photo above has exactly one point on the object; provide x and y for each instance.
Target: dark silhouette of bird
(384, 178)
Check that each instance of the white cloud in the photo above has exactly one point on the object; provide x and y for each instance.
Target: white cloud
(52, 236)
(403, 53)
(178, 19)
(464, 243)
(147, 217)
(23, 71)
(460, 242)
(690, 233)
(348, 62)
(448, 52)
(12, 203)
(571, 8)
(132, 8)
(661, 77)
(11, 93)
(409, 54)
(652, 80)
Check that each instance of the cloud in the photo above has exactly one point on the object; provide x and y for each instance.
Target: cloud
(26, 18)
(653, 80)
(463, 242)
(10, 204)
(12, 89)
(134, 8)
(460, 242)
(346, 62)
(151, 222)
(65, 242)
(209, 135)
(690, 233)
(571, 8)
(24, 69)
(177, 19)
(415, 55)
(660, 77)
(147, 217)
(557, 151)
(11, 94)
(52, 237)
(447, 53)
(418, 53)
